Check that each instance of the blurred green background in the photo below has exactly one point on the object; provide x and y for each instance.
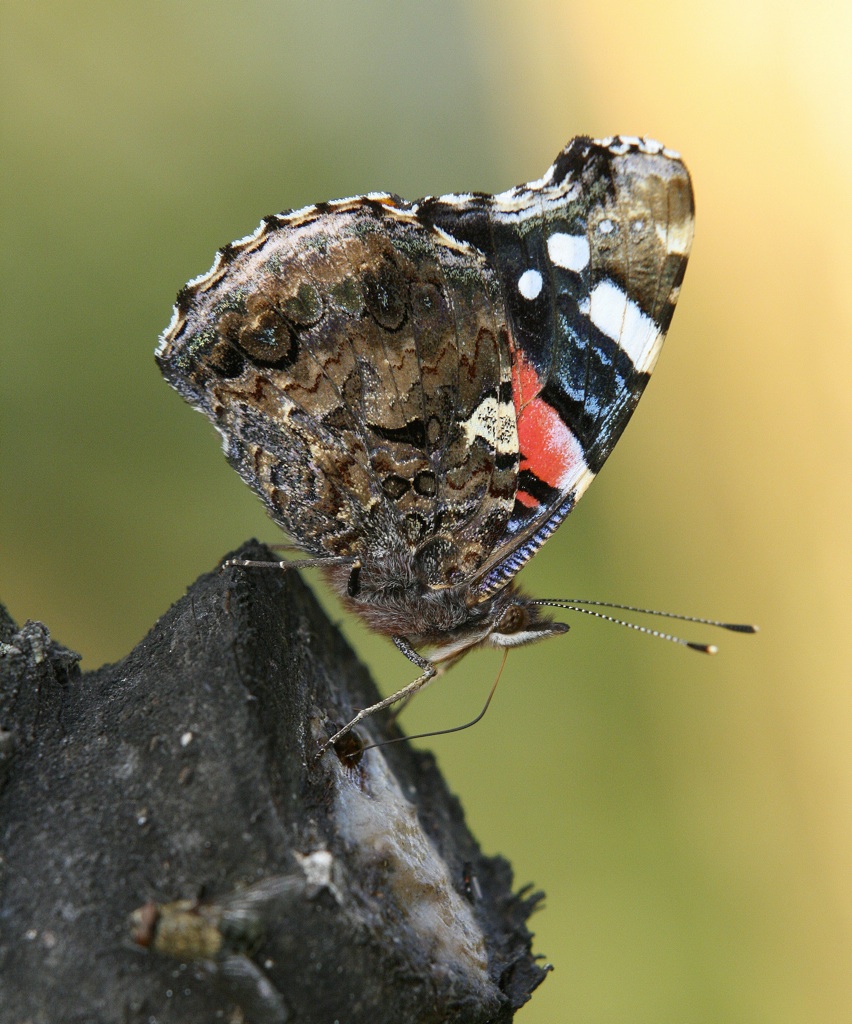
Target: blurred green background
(688, 817)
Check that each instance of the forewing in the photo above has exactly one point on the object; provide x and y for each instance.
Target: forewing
(590, 260)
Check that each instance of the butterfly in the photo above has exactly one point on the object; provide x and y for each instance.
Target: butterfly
(420, 392)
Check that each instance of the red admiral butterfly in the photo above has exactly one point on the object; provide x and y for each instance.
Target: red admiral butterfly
(421, 392)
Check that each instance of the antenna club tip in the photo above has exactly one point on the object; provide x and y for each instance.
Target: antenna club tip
(741, 627)
(704, 648)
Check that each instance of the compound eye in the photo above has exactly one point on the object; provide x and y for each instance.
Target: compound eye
(514, 619)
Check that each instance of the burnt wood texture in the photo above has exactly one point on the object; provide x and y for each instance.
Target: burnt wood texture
(173, 849)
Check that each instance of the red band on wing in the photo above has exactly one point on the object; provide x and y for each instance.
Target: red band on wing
(549, 449)
(526, 499)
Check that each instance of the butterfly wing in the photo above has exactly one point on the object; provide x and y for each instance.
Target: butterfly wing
(433, 385)
(590, 260)
(357, 365)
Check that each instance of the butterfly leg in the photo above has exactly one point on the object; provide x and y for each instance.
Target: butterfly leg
(428, 672)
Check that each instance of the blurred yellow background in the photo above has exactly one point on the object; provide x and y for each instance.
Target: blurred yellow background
(688, 817)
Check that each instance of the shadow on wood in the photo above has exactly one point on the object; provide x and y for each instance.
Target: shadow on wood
(183, 784)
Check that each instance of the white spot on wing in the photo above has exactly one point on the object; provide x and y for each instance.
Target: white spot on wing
(495, 423)
(621, 319)
(530, 284)
(568, 251)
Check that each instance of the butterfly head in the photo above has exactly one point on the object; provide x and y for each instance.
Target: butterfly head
(507, 620)
(519, 622)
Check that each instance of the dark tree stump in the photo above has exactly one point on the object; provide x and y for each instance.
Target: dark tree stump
(314, 889)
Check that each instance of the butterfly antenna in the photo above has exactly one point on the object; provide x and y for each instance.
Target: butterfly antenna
(573, 605)
(734, 627)
(455, 728)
